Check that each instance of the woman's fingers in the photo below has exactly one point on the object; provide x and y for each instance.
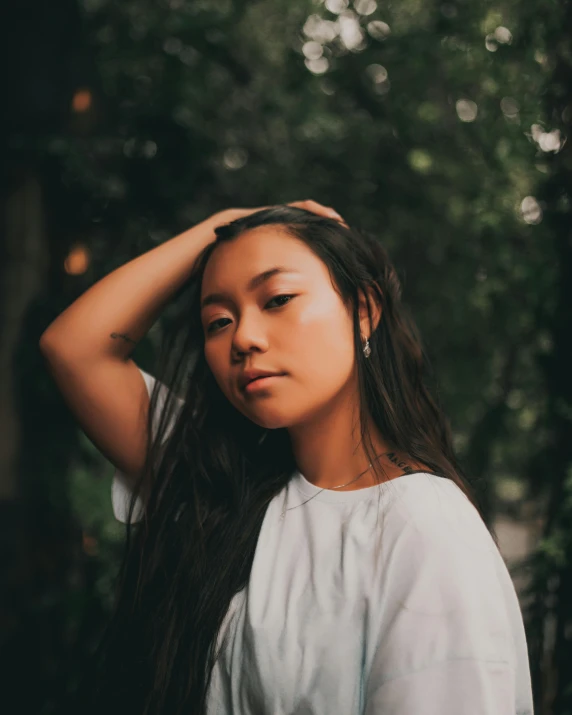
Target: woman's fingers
(319, 209)
(308, 205)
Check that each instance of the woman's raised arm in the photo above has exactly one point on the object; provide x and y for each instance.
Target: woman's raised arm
(87, 347)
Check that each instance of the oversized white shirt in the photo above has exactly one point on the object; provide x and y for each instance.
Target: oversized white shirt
(388, 600)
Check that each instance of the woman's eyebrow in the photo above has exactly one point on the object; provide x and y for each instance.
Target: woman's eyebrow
(253, 283)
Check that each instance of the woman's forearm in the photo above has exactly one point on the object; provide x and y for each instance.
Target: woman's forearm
(117, 311)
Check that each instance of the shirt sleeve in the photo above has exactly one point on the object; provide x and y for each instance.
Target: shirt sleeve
(444, 645)
(120, 489)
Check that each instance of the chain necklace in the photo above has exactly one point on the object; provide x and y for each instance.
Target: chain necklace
(282, 515)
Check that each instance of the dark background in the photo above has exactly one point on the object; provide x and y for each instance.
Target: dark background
(441, 126)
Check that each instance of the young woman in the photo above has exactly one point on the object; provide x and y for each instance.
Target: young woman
(300, 537)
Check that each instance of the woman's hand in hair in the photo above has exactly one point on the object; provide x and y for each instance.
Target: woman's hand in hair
(228, 215)
(319, 209)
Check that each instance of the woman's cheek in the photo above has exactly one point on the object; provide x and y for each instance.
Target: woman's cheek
(214, 361)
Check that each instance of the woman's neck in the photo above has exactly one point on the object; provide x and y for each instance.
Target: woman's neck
(329, 453)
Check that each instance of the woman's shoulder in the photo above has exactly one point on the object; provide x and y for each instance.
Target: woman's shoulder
(436, 510)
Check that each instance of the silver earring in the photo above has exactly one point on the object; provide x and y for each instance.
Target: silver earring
(366, 348)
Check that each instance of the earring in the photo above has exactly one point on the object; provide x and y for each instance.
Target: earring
(366, 348)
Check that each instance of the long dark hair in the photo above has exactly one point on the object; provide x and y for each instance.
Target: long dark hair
(211, 473)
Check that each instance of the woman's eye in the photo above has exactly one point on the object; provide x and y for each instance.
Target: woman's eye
(213, 326)
(277, 297)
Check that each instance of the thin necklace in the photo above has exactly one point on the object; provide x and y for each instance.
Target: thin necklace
(338, 487)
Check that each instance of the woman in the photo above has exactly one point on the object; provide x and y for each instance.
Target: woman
(305, 541)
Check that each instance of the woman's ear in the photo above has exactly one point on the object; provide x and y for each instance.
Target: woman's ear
(373, 297)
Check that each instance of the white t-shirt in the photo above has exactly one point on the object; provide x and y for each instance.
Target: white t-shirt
(388, 600)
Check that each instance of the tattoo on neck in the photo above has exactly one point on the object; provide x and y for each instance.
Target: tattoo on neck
(399, 463)
(125, 337)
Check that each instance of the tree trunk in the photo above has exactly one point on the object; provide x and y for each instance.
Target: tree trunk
(23, 267)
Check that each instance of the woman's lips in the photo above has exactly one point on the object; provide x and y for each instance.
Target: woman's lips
(261, 383)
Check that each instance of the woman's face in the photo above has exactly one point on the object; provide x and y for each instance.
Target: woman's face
(308, 337)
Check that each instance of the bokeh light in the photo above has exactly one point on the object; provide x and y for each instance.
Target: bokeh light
(77, 260)
(82, 101)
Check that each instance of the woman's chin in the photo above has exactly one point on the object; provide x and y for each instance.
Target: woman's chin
(269, 421)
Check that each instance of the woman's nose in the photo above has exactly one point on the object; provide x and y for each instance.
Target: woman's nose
(249, 335)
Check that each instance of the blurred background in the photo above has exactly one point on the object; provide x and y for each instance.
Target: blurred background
(440, 125)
